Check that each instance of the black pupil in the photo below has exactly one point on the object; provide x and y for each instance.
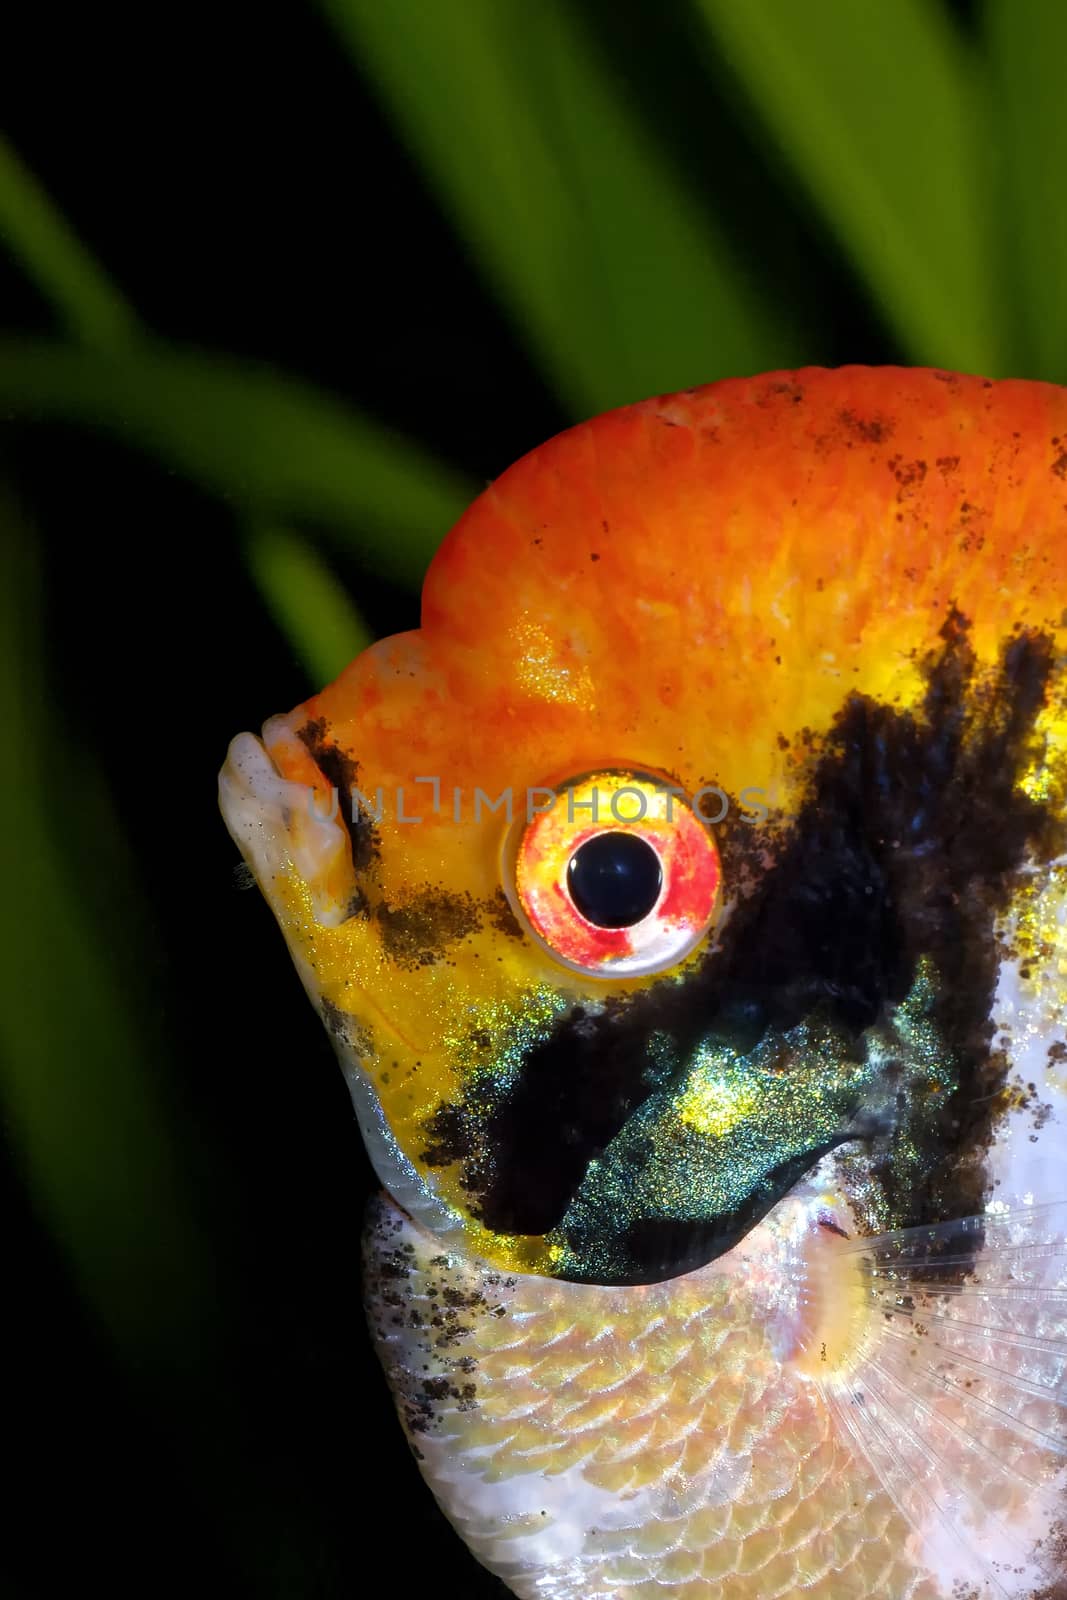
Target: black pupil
(614, 879)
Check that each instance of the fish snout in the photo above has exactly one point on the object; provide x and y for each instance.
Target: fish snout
(283, 827)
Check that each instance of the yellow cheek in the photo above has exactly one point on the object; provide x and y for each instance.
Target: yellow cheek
(1043, 779)
(423, 1035)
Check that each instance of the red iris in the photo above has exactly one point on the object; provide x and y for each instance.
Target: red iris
(618, 876)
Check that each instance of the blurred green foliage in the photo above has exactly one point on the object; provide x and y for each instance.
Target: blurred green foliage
(933, 154)
(270, 445)
(618, 283)
(882, 111)
(92, 1127)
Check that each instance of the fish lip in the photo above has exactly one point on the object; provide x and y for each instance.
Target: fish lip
(255, 805)
(275, 823)
(244, 773)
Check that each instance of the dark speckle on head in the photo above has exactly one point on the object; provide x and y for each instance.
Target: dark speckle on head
(909, 475)
(419, 929)
(904, 849)
(334, 1018)
(342, 773)
(347, 1030)
(782, 390)
(872, 430)
(500, 916)
(358, 904)
(452, 1134)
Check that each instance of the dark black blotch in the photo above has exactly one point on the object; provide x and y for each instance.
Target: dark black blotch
(341, 771)
(419, 929)
(335, 1020)
(451, 1136)
(346, 1029)
(358, 904)
(501, 917)
(872, 430)
(907, 846)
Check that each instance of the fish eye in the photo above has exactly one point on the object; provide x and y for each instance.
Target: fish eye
(614, 879)
(617, 875)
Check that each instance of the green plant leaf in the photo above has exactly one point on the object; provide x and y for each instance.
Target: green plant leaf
(79, 1076)
(1027, 46)
(878, 107)
(268, 443)
(272, 446)
(54, 258)
(610, 269)
(306, 601)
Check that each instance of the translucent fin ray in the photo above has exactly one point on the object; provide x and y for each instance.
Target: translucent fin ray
(956, 1392)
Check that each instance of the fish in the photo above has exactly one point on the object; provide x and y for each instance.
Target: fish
(686, 900)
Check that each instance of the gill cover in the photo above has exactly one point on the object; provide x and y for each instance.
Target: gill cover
(669, 855)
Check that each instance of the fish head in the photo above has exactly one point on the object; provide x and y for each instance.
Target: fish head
(665, 860)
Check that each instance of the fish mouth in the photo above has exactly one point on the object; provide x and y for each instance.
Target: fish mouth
(280, 826)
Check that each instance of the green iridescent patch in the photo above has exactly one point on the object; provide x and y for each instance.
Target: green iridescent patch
(728, 1132)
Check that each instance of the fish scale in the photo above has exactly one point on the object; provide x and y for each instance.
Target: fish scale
(748, 1486)
(745, 1486)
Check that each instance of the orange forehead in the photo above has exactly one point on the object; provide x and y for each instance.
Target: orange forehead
(690, 582)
